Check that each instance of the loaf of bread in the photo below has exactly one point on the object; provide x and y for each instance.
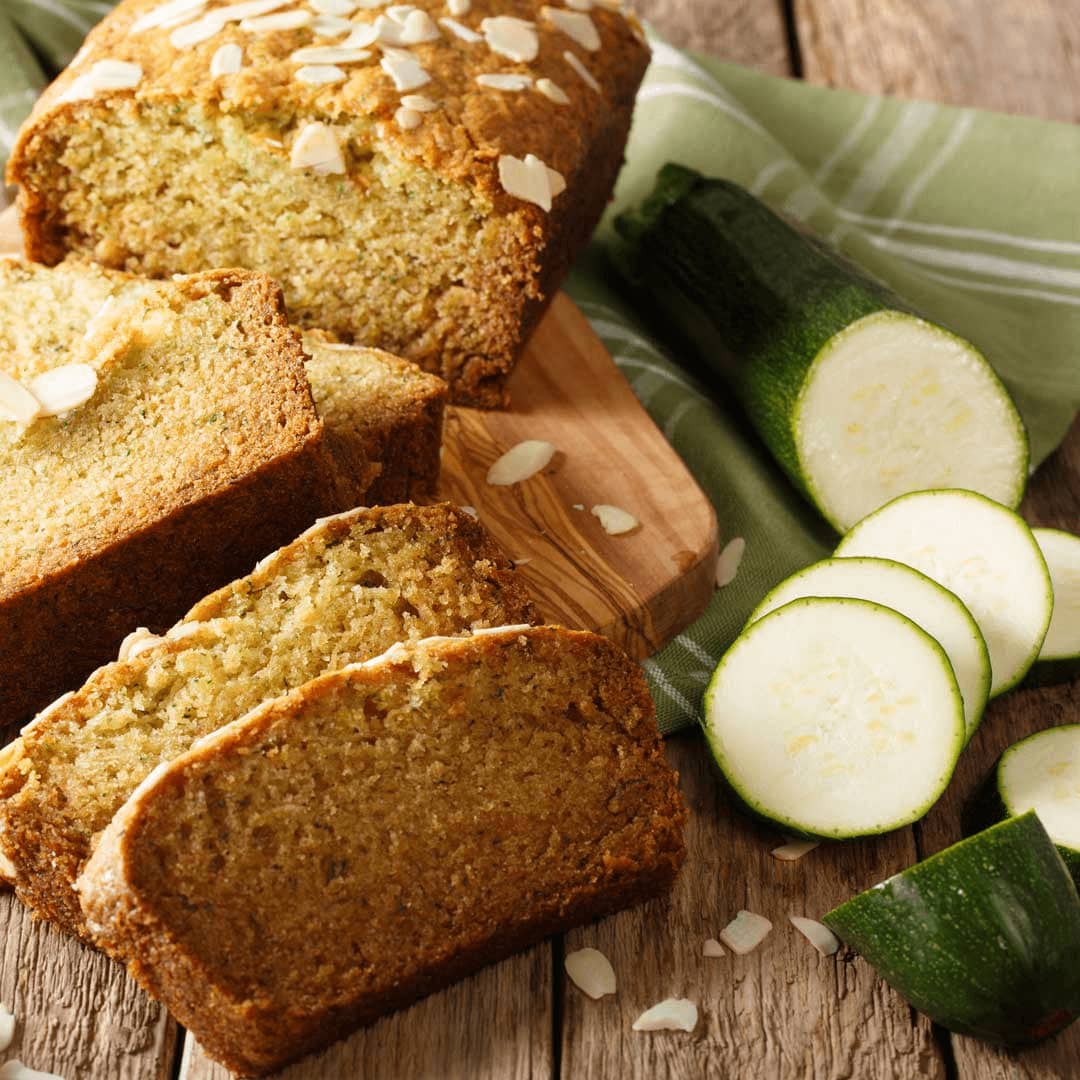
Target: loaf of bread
(347, 589)
(170, 440)
(417, 181)
(383, 831)
(383, 420)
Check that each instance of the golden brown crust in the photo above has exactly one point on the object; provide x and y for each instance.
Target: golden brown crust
(47, 843)
(64, 614)
(622, 837)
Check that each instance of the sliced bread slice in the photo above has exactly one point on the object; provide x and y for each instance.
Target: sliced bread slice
(347, 589)
(383, 831)
(152, 447)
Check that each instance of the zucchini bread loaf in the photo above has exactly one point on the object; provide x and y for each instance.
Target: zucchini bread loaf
(166, 442)
(383, 831)
(418, 181)
(348, 588)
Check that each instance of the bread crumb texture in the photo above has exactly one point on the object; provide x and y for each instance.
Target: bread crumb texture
(346, 590)
(380, 210)
(383, 830)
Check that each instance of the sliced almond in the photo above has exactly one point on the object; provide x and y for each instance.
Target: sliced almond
(320, 74)
(116, 74)
(407, 119)
(530, 179)
(7, 1028)
(329, 54)
(819, 935)
(248, 9)
(64, 388)
(727, 566)
(317, 148)
(419, 27)
(793, 849)
(591, 971)
(458, 7)
(16, 402)
(184, 37)
(671, 1014)
(553, 91)
(330, 26)
(579, 5)
(280, 20)
(139, 634)
(511, 37)
(582, 70)
(520, 462)
(508, 81)
(333, 7)
(470, 510)
(164, 14)
(614, 519)
(575, 24)
(712, 948)
(16, 1070)
(459, 30)
(745, 932)
(228, 60)
(361, 37)
(405, 71)
(419, 103)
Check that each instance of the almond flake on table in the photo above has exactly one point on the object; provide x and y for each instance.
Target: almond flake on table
(614, 519)
(591, 972)
(530, 179)
(505, 81)
(7, 1027)
(745, 932)
(520, 462)
(228, 60)
(727, 566)
(793, 849)
(317, 148)
(16, 1070)
(329, 54)
(552, 91)
(320, 74)
(712, 949)
(819, 935)
(419, 103)
(16, 402)
(511, 37)
(671, 1014)
(458, 7)
(64, 388)
(164, 14)
(582, 70)
(333, 7)
(460, 30)
(280, 20)
(574, 24)
(405, 71)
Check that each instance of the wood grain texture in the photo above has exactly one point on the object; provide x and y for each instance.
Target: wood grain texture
(749, 31)
(1020, 56)
(781, 1012)
(78, 1014)
(495, 1025)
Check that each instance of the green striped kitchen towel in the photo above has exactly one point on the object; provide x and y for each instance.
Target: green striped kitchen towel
(969, 215)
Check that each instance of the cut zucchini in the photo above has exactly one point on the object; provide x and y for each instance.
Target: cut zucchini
(926, 603)
(983, 937)
(835, 718)
(982, 552)
(1059, 657)
(858, 398)
(1042, 773)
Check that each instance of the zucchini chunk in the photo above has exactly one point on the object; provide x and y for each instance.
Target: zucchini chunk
(1059, 657)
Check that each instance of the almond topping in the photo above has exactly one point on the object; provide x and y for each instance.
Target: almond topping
(140, 633)
(330, 26)
(712, 948)
(183, 37)
(329, 54)
(511, 37)
(407, 119)
(16, 402)
(552, 91)
(104, 75)
(530, 179)
(520, 462)
(228, 60)
(672, 1014)
(333, 7)
(164, 14)
(320, 74)
(461, 31)
(508, 81)
(582, 70)
(574, 24)
(591, 971)
(419, 103)
(405, 71)
(615, 520)
(248, 9)
(361, 37)
(458, 7)
(64, 388)
(579, 5)
(280, 20)
(317, 148)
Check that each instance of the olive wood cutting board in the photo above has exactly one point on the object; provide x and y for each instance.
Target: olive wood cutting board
(640, 588)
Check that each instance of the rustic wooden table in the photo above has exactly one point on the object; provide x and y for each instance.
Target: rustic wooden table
(782, 1011)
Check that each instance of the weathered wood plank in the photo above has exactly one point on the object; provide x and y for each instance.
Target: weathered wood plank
(78, 1014)
(1018, 56)
(496, 1025)
(783, 1010)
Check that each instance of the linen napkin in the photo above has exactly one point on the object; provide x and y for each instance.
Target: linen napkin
(970, 216)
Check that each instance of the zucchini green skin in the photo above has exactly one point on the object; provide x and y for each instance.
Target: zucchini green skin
(983, 937)
(784, 295)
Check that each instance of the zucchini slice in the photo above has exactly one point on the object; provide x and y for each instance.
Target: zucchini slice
(926, 603)
(1059, 657)
(982, 552)
(835, 718)
(1042, 773)
(983, 937)
(858, 398)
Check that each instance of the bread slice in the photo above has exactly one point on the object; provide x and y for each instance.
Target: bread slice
(199, 450)
(383, 420)
(402, 199)
(383, 831)
(346, 589)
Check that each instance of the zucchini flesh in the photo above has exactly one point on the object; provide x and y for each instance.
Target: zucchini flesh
(982, 552)
(1042, 773)
(835, 718)
(858, 398)
(983, 937)
(926, 603)
(1059, 657)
